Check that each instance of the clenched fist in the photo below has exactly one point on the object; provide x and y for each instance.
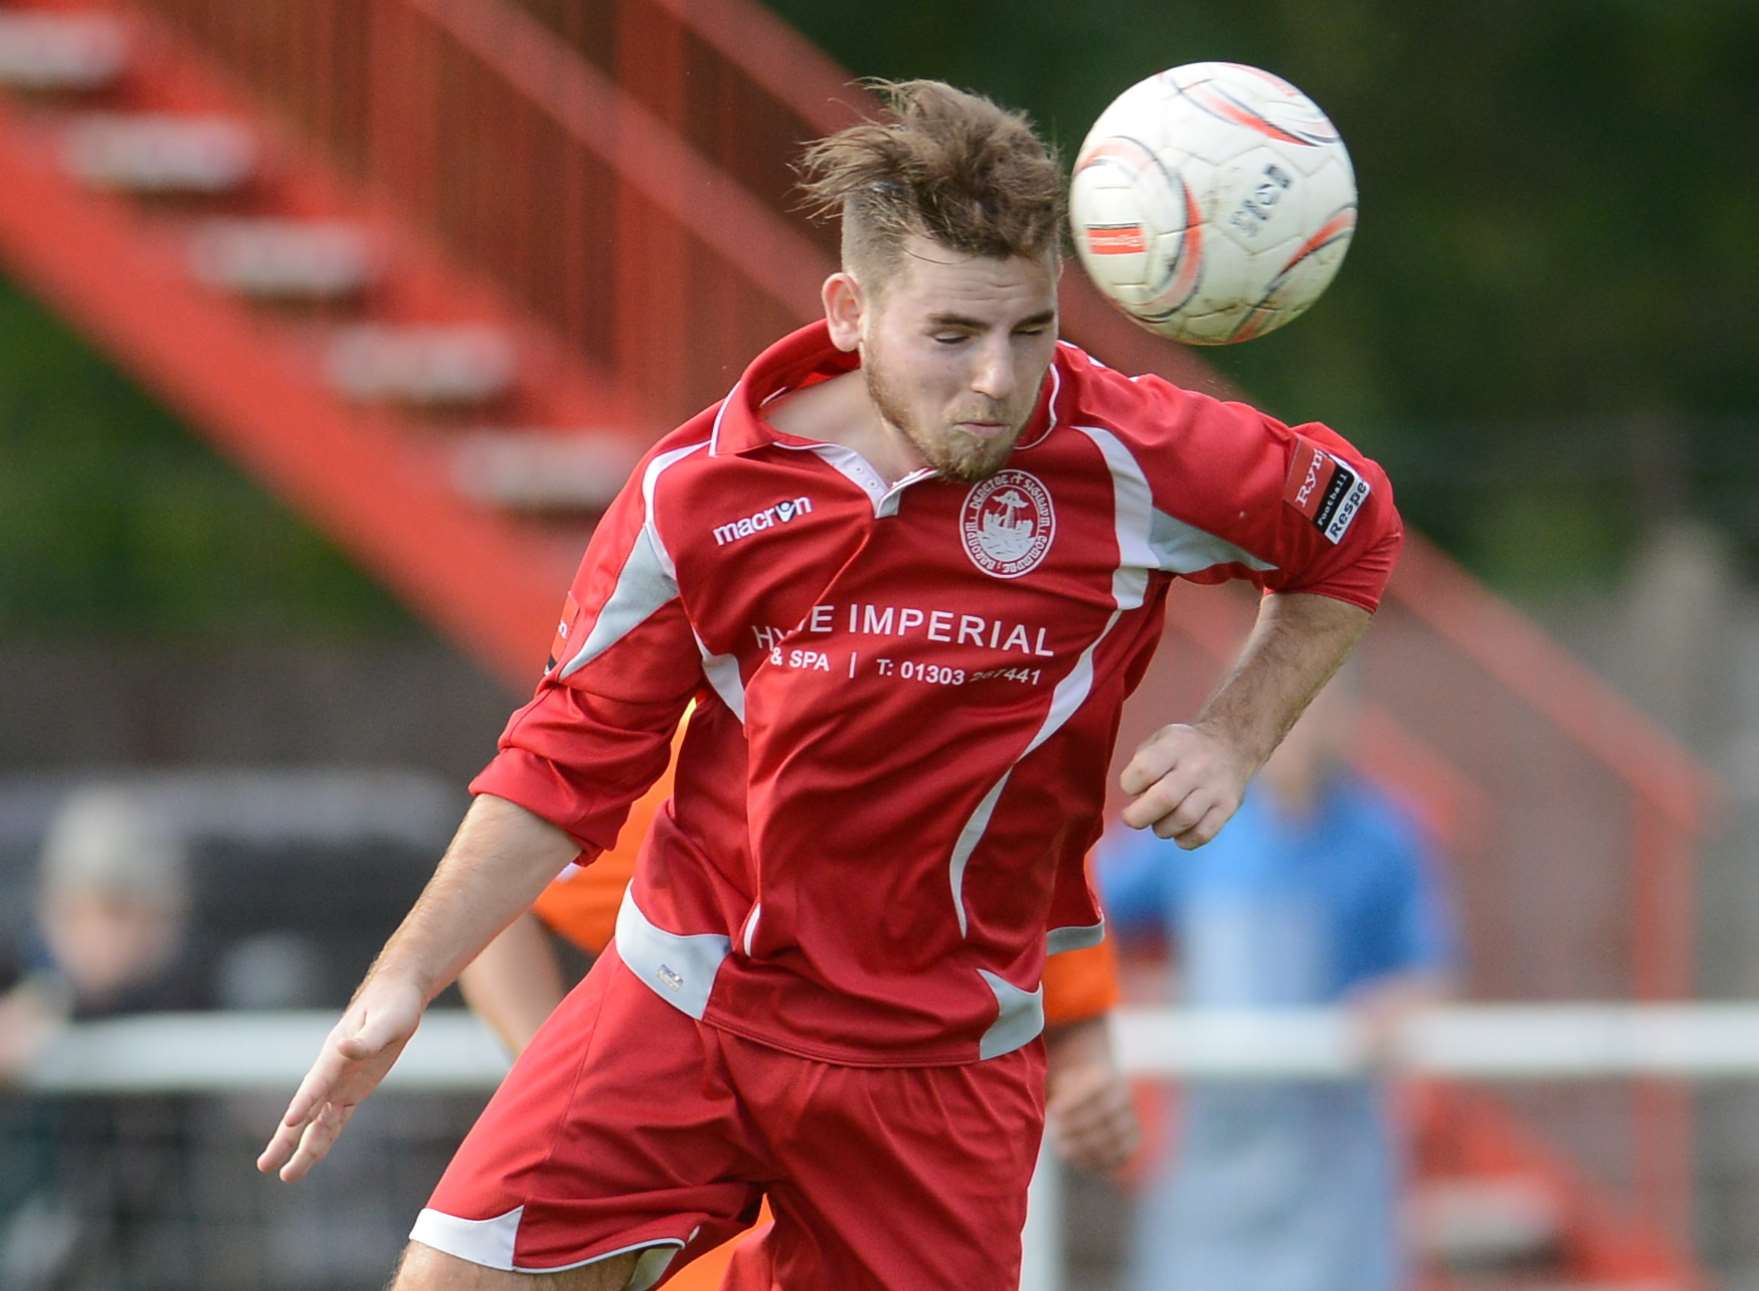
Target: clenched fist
(1185, 782)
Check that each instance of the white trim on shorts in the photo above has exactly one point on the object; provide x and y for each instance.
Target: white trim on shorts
(489, 1242)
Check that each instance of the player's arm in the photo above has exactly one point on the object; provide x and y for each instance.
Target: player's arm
(497, 863)
(518, 980)
(1297, 511)
(594, 737)
(1092, 1121)
(516, 983)
(1187, 779)
(1087, 1103)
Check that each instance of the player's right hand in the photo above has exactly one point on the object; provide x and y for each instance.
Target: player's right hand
(1185, 783)
(356, 1055)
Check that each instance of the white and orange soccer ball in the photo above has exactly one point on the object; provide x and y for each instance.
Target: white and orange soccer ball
(1212, 202)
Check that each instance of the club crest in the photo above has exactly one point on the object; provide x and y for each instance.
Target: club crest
(1007, 523)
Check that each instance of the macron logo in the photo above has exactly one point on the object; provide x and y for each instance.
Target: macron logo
(768, 518)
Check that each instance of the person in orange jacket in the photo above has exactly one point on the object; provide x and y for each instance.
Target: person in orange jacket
(519, 978)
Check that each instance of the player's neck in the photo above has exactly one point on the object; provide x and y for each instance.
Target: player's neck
(839, 411)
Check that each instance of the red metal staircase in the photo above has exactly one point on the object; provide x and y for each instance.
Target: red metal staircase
(319, 336)
(436, 271)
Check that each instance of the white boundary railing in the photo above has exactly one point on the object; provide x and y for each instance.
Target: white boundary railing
(230, 1052)
(220, 1052)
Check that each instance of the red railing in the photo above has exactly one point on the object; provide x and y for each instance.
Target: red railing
(744, 89)
(473, 120)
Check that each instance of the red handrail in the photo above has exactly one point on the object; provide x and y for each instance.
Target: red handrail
(601, 116)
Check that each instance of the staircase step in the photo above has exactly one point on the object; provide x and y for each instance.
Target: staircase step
(151, 152)
(427, 365)
(1487, 1223)
(543, 471)
(284, 259)
(60, 51)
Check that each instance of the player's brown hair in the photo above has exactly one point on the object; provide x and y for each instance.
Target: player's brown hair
(949, 165)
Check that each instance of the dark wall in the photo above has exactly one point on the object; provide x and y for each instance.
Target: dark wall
(116, 703)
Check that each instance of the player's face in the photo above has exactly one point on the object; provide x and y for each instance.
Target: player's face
(954, 349)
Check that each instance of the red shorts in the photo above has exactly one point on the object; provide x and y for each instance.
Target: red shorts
(628, 1125)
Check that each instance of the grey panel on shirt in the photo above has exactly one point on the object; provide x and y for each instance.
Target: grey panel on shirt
(680, 968)
(643, 586)
(1182, 548)
(1020, 1020)
(1074, 937)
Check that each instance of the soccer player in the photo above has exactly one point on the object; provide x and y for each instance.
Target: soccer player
(909, 569)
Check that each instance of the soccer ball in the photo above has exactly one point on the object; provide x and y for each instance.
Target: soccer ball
(1212, 202)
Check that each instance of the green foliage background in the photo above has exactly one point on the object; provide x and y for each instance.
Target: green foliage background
(116, 523)
(1547, 327)
(1548, 324)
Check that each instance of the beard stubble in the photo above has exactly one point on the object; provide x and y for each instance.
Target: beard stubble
(952, 452)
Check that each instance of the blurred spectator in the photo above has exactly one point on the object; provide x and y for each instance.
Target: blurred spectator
(1317, 893)
(111, 939)
(111, 931)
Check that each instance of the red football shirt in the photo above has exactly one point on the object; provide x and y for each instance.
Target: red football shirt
(908, 694)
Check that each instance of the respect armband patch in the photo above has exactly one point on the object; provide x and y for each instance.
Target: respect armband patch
(1325, 489)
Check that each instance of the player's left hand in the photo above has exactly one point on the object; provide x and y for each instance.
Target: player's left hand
(1090, 1115)
(1092, 1122)
(1185, 783)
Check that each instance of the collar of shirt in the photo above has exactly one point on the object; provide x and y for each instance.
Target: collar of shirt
(806, 357)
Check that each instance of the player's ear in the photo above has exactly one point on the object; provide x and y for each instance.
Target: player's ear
(844, 305)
